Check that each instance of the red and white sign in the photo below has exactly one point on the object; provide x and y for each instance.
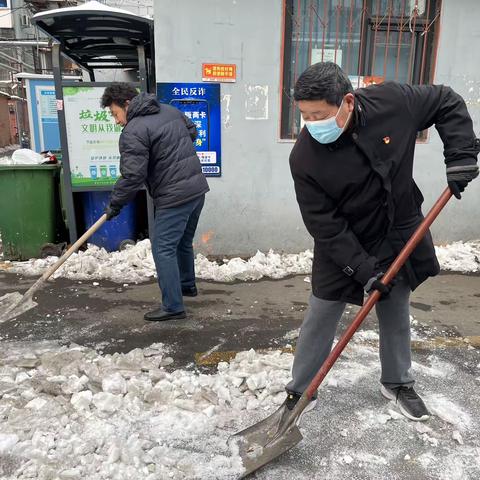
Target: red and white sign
(219, 72)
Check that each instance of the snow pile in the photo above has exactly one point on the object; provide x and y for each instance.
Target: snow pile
(445, 409)
(135, 264)
(460, 257)
(272, 265)
(72, 413)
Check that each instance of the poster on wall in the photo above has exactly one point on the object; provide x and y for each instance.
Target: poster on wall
(199, 102)
(326, 55)
(219, 72)
(92, 137)
(47, 104)
(42, 114)
(47, 118)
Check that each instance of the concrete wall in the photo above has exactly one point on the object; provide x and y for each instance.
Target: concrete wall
(458, 67)
(253, 205)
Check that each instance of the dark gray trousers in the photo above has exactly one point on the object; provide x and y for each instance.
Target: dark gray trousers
(318, 331)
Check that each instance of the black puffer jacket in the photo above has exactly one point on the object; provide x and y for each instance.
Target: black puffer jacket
(357, 195)
(156, 150)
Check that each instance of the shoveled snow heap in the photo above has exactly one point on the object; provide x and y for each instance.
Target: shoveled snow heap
(73, 413)
(135, 264)
(460, 257)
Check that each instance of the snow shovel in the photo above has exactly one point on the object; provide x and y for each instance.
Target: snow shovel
(14, 304)
(268, 439)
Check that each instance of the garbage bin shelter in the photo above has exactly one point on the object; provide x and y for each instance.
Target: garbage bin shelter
(94, 36)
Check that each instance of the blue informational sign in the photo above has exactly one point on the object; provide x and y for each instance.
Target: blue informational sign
(42, 105)
(199, 102)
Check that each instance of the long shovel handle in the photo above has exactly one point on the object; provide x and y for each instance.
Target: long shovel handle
(38, 284)
(374, 297)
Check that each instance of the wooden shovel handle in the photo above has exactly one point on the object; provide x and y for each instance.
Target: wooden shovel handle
(375, 296)
(66, 256)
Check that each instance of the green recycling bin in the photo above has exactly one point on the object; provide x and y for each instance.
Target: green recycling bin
(27, 209)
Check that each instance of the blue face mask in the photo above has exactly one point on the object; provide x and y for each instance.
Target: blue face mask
(326, 131)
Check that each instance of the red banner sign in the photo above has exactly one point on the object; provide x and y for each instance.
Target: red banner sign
(219, 72)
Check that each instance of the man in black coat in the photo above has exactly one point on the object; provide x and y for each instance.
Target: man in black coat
(352, 169)
(156, 150)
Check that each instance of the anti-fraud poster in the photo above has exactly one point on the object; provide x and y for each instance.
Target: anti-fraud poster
(201, 103)
(92, 137)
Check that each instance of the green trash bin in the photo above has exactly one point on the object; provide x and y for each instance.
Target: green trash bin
(27, 209)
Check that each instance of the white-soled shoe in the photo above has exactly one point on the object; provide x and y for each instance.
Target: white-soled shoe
(408, 401)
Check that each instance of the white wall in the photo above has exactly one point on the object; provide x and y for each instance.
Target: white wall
(457, 66)
(253, 205)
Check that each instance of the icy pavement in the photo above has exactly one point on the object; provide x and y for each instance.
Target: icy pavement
(135, 264)
(71, 412)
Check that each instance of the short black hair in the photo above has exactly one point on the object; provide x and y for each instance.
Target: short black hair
(323, 81)
(118, 93)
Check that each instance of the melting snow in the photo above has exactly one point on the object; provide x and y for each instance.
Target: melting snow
(460, 256)
(71, 412)
(135, 264)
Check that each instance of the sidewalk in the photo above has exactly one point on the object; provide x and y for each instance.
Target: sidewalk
(228, 317)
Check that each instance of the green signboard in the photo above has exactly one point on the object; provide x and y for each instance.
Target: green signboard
(92, 137)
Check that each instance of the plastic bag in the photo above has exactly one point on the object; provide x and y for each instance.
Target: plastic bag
(24, 156)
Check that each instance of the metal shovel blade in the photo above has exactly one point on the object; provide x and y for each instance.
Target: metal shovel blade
(262, 442)
(14, 304)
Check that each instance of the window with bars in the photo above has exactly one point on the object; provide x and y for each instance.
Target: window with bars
(372, 40)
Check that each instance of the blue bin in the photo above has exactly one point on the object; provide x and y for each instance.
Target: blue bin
(114, 232)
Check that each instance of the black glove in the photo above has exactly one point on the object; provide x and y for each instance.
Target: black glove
(459, 176)
(375, 284)
(112, 211)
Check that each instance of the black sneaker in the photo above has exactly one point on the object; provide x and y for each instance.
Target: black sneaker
(190, 292)
(408, 401)
(291, 401)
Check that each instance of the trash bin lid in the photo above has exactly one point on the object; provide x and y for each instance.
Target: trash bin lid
(29, 167)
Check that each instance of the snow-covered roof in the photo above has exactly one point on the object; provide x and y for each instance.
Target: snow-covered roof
(44, 75)
(11, 97)
(90, 7)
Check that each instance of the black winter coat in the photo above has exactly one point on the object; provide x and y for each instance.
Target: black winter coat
(156, 150)
(357, 195)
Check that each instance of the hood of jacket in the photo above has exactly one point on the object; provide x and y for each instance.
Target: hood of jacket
(141, 105)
